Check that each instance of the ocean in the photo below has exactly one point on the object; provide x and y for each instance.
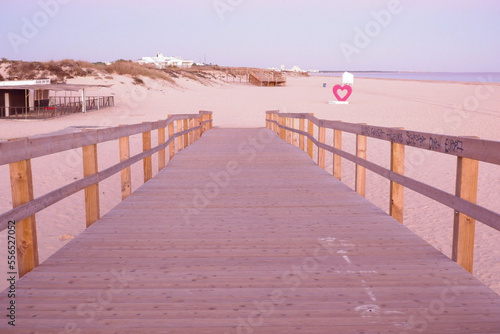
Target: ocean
(433, 76)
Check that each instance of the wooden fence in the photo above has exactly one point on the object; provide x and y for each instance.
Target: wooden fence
(58, 107)
(469, 151)
(19, 152)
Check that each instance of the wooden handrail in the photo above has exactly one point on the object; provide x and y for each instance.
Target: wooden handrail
(468, 151)
(472, 148)
(38, 146)
(87, 140)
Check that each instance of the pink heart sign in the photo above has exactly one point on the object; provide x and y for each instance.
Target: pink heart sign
(338, 88)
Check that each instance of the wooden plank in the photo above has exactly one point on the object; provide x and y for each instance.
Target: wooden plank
(463, 225)
(301, 137)
(472, 148)
(161, 153)
(337, 159)
(203, 119)
(282, 122)
(57, 195)
(288, 132)
(180, 141)
(192, 134)
(147, 162)
(321, 151)
(486, 216)
(199, 124)
(360, 181)
(310, 130)
(351, 269)
(90, 167)
(125, 174)
(186, 136)
(396, 192)
(295, 136)
(171, 146)
(47, 144)
(25, 230)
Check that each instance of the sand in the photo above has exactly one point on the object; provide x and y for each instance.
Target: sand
(470, 109)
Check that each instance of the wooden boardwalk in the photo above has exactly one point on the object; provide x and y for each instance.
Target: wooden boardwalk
(243, 233)
(266, 78)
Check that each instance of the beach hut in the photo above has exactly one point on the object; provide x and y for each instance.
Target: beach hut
(347, 78)
(32, 99)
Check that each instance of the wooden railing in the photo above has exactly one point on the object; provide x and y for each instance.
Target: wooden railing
(469, 151)
(182, 131)
(267, 78)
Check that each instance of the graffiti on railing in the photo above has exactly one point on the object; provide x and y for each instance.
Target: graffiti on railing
(434, 144)
(453, 146)
(415, 139)
(450, 145)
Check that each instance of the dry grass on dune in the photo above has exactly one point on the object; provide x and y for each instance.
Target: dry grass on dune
(60, 71)
(125, 67)
(57, 71)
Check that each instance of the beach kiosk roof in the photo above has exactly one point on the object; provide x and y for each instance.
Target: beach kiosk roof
(39, 84)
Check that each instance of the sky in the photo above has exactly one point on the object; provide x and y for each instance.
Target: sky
(368, 35)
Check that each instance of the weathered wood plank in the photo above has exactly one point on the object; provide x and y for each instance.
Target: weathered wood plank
(125, 174)
(396, 192)
(90, 168)
(237, 240)
(21, 180)
(41, 145)
(464, 226)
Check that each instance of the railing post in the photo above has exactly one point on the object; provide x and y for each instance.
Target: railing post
(302, 126)
(321, 151)
(147, 161)
(179, 138)
(463, 225)
(26, 239)
(337, 159)
(360, 182)
(186, 135)
(161, 153)
(289, 133)
(204, 126)
(396, 201)
(310, 130)
(295, 135)
(190, 136)
(171, 146)
(90, 167)
(125, 174)
(282, 122)
(198, 123)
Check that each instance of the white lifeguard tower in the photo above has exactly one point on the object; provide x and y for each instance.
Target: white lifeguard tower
(347, 78)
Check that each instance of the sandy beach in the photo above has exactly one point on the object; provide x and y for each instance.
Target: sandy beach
(464, 109)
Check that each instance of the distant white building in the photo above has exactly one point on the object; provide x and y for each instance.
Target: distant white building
(161, 61)
(347, 78)
(297, 69)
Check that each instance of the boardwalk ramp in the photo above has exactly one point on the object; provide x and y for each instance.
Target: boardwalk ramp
(243, 233)
(266, 79)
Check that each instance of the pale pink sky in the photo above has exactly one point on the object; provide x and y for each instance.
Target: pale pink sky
(444, 35)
